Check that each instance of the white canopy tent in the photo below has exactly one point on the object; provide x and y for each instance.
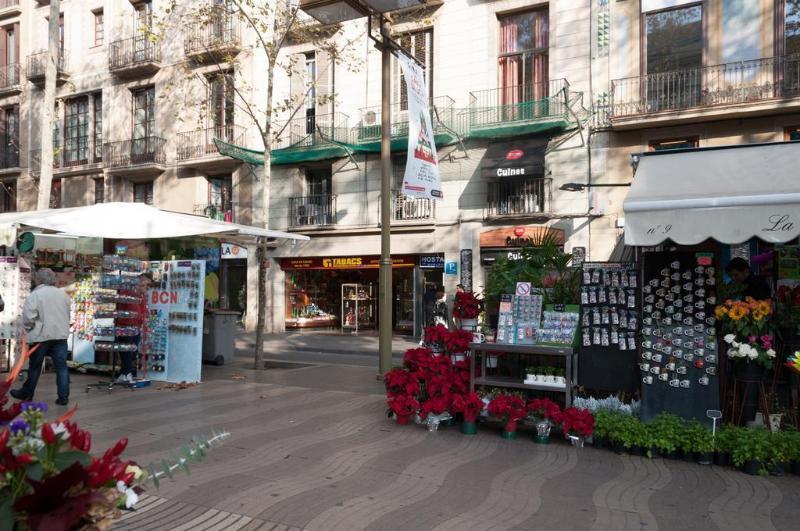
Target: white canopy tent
(730, 194)
(133, 221)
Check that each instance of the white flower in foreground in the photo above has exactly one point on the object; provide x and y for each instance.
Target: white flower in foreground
(753, 354)
(771, 353)
(729, 338)
(131, 498)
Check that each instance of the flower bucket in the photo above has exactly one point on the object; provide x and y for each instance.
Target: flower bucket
(403, 419)
(509, 435)
(469, 428)
(491, 362)
(542, 436)
(457, 357)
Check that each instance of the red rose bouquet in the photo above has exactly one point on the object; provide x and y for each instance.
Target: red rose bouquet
(509, 408)
(545, 409)
(577, 422)
(467, 306)
(457, 341)
(469, 405)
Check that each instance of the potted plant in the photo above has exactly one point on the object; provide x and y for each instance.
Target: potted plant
(467, 308)
(793, 456)
(702, 443)
(548, 374)
(456, 344)
(435, 337)
(531, 374)
(664, 430)
(470, 407)
(724, 444)
(510, 409)
(601, 428)
(685, 440)
(639, 437)
(752, 450)
(403, 406)
(560, 376)
(779, 453)
(577, 425)
(546, 414)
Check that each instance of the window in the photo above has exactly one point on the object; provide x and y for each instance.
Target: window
(787, 43)
(318, 206)
(144, 16)
(675, 143)
(55, 193)
(420, 45)
(318, 181)
(221, 100)
(792, 133)
(9, 50)
(76, 131)
(144, 121)
(8, 196)
(98, 126)
(310, 86)
(523, 59)
(9, 137)
(143, 193)
(220, 194)
(99, 191)
(98, 28)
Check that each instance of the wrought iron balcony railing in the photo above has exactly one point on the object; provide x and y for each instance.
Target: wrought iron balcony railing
(200, 143)
(312, 210)
(220, 212)
(9, 76)
(519, 197)
(222, 34)
(443, 118)
(135, 152)
(37, 64)
(310, 131)
(133, 52)
(718, 85)
(519, 103)
(412, 208)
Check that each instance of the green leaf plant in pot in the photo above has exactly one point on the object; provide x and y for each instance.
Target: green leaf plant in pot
(702, 443)
(779, 454)
(752, 451)
(601, 423)
(618, 435)
(794, 451)
(664, 430)
(724, 444)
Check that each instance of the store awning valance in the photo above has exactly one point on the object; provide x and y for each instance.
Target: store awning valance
(730, 194)
(133, 221)
(514, 158)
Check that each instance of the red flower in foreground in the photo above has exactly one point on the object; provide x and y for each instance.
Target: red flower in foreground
(468, 405)
(403, 405)
(509, 408)
(436, 335)
(578, 422)
(457, 341)
(416, 359)
(544, 408)
(400, 382)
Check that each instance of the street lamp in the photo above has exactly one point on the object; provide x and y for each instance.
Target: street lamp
(332, 12)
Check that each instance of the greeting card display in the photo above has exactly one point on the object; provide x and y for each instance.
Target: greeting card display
(678, 362)
(519, 318)
(609, 325)
(558, 328)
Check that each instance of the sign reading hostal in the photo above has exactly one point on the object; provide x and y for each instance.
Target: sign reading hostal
(519, 236)
(345, 262)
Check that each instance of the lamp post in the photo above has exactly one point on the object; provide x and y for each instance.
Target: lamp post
(332, 12)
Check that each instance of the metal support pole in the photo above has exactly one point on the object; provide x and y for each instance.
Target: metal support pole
(385, 278)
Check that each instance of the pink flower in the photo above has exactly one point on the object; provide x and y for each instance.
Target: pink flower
(766, 341)
(751, 339)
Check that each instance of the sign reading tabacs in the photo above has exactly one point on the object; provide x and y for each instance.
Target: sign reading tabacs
(345, 262)
(518, 236)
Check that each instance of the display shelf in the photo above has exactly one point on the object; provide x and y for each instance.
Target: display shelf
(505, 381)
(522, 349)
(358, 307)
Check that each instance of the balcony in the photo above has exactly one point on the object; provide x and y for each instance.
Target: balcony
(312, 211)
(140, 157)
(9, 79)
(37, 67)
(134, 57)
(196, 149)
(444, 119)
(218, 39)
(519, 198)
(9, 8)
(218, 212)
(308, 138)
(747, 87)
(70, 161)
(412, 209)
(519, 109)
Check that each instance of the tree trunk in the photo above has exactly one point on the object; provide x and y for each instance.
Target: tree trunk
(48, 107)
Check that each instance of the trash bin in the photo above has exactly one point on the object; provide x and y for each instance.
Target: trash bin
(219, 330)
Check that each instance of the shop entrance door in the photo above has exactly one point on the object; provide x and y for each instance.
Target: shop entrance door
(233, 291)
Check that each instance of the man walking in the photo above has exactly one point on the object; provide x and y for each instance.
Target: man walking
(45, 317)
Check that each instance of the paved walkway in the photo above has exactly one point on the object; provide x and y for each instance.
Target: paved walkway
(312, 449)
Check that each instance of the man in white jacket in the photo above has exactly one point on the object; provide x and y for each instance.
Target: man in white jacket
(45, 317)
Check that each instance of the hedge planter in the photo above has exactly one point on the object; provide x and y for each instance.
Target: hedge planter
(752, 467)
(469, 428)
(705, 458)
(619, 448)
(654, 452)
(722, 459)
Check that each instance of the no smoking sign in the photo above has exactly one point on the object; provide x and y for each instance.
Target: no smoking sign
(523, 288)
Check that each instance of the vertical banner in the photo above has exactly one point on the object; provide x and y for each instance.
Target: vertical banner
(422, 169)
(466, 269)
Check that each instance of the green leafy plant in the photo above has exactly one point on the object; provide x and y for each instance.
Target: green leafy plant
(548, 371)
(700, 438)
(560, 372)
(727, 437)
(532, 370)
(615, 426)
(793, 446)
(665, 431)
(752, 445)
(780, 451)
(602, 422)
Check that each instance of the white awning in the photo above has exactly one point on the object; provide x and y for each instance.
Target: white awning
(730, 194)
(133, 221)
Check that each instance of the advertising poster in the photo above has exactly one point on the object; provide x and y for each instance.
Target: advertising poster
(421, 178)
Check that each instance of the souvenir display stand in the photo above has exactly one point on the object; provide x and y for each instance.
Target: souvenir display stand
(15, 277)
(358, 307)
(610, 326)
(679, 360)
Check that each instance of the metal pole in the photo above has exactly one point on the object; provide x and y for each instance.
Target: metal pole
(385, 278)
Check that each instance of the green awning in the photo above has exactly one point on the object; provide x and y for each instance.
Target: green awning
(521, 128)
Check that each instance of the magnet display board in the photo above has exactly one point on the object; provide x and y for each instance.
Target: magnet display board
(678, 361)
(175, 321)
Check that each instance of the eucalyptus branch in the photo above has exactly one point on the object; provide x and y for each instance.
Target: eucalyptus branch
(193, 453)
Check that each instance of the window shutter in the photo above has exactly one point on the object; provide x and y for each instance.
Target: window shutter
(297, 79)
(324, 81)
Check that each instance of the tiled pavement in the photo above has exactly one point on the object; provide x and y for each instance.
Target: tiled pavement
(304, 455)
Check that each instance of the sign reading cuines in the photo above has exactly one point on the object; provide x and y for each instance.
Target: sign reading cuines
(345, 262)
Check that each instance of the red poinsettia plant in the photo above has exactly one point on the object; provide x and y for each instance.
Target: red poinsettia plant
(457, 341)
(401, 382)
(545, 409)
(467, 305)
(436, 405)
(509, 408)
(418, 359)
(436, 336)
(403, 405)
(577, 422)
(468, 405)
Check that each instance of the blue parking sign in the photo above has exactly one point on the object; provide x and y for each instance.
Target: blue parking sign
(451, 268)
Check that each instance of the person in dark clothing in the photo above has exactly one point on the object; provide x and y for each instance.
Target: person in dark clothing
(750, 284)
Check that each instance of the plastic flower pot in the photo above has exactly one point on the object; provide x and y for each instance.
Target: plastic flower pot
(637, 450)
(653, 452)
(619, 447)
(796, 468)
(403, 419)
(597, 442)
(541, 439)
(722, 459)
(672, 454)
(705, 458)
(491, 362)
(688, 456)
(469, 428)
(752, 467)
(777, 469)
(509, 434)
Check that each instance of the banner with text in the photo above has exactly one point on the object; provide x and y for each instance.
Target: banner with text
(421, 178)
